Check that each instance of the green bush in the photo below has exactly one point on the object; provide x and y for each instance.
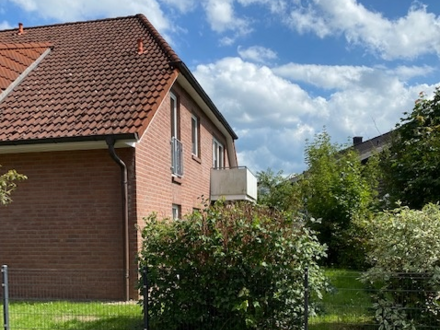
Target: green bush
(235, 266)
(405, 254)
(338, 189)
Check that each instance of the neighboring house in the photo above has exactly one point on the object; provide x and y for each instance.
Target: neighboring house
(365, 149)
(375, 145)
(109, 125)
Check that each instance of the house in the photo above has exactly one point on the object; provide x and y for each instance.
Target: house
(374, 145)
(109, 125)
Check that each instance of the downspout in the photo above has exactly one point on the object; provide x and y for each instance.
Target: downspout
(124, 184)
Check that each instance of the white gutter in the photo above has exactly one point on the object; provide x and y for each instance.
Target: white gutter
(63, 146)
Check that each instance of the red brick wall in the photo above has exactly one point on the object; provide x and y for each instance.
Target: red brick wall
(156, 190)
(67, 215)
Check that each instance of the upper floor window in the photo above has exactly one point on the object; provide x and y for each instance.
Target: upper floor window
(176, 145)
(174, 116)
(218, 154)
(195, 135)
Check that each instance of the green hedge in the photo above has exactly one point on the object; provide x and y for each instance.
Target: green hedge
(405, 254)
(234, 266)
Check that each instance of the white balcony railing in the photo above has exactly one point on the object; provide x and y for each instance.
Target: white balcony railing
(176, 157)
(233, 184)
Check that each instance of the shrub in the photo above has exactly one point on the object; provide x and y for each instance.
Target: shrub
(235, 266)
(337, 189)
(8, 183)
(405, 253)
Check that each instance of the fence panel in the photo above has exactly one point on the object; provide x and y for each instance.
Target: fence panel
(58, 299)
(49, 299)
(349, 303)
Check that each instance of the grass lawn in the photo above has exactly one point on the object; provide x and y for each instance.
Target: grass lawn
(346, 306)
(65, 315)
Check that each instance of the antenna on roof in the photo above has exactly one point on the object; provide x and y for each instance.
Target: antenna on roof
(140, 46)
(20, 28)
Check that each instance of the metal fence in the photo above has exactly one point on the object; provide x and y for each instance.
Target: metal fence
(393, 302)
(49, 299)
(29, 301)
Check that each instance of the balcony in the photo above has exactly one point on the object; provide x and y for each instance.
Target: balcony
(233, 184)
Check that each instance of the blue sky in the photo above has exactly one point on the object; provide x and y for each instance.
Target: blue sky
(282, 70)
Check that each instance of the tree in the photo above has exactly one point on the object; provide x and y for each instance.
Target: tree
(8, 183)
(277, 191)
(231, 266)
(337, 189)
(412, 162)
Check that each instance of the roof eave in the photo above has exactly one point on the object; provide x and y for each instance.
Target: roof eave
(195, 84)
(67, 143)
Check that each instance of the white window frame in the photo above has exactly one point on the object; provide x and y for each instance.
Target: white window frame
(218, 154)
(195, 135)
(174, 117)
(176, 210)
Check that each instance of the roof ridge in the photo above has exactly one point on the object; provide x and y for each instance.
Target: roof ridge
(73, 23)
(160, 40)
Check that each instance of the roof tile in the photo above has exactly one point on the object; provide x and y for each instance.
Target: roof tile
(92, 82)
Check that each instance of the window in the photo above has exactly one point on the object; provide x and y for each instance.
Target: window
(218, 154)
(176, 145)
(174, 116)
(195, 138)
(176, 211)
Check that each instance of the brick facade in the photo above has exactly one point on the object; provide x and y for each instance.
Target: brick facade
(68, 214)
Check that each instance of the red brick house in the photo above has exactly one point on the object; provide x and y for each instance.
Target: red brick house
(109, 125)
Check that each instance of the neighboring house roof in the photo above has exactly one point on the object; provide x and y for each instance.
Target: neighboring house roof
(365, 149)
(104, 77)
(368, 147)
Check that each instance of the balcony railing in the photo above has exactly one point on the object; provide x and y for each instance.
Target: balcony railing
(176, 157)
(233, 184)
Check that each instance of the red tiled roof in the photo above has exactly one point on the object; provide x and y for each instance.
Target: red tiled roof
(93, 82)
(16, 58)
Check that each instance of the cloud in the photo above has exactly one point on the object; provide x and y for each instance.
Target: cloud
(342, 77)
(222, 17)
(275, 6)
(254, 95)
(257, 54)
(273, 113)
(409, 72)
(64, 11)
(183, 6)
(323, 76)
(5, 25)
(407, 37)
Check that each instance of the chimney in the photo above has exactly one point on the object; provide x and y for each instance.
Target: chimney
(20, 28)
(140, 46)
(357, 140)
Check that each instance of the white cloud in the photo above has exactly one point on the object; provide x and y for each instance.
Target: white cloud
(5, 25)
(254, 95)
(409, 72)
(323, 76)
(343, 77)
(222, 17)
(275, 6)
(183, 6)
(273, 114)
(65, 11)
(257, 54)
(410, 36)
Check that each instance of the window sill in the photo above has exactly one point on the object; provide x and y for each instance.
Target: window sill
(197, 159)
(176, 179)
